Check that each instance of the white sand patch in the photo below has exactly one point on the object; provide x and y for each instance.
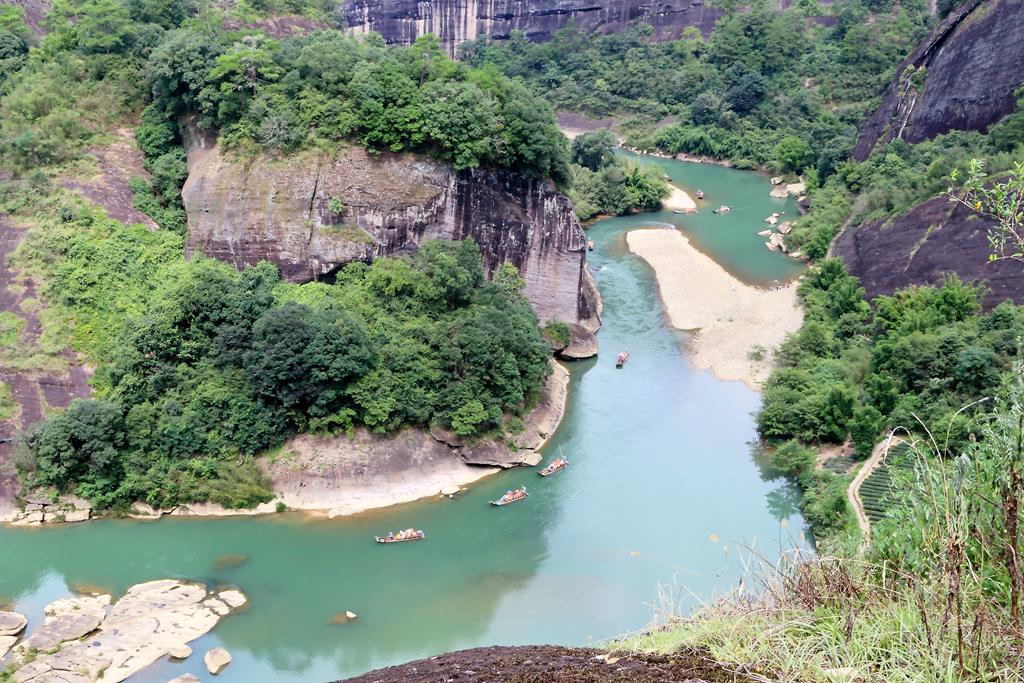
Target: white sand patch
(678, 200)
(729, 317)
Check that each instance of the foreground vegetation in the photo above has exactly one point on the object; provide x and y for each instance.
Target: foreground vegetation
(934, 597)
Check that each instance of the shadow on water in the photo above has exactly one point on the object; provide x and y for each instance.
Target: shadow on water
(660, 465)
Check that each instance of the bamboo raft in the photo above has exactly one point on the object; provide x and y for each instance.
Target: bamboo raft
(386, 539)
(552, 468)
(514, 500)
(623, 357)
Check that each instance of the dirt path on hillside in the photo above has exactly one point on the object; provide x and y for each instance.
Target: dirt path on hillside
(853, 492)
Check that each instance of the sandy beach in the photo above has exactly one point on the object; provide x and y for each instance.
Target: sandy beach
(678, 200)
(728, 317)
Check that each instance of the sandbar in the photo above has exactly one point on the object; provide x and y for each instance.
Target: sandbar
(728, 317)
(678, 200)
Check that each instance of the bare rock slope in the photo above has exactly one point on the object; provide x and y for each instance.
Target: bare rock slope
(934, 238)
(973, 63)
(247, 210)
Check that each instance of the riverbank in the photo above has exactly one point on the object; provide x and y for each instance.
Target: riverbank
(733, 322)
(339, 475)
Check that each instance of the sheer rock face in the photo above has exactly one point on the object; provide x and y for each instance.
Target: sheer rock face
(245, 211)
(934, 238)
(455, 21)
(974, 64)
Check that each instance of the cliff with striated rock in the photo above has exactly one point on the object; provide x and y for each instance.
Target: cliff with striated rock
(311, 214)
(934, 238)
(973, 64)
(455, 21)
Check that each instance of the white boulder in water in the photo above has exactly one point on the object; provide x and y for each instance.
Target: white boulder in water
(216, 660)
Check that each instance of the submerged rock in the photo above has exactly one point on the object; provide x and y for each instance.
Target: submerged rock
(217, 660)
(187, 678)
(339, 618)
(230, 561)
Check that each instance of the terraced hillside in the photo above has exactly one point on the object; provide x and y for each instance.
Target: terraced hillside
(875, 492)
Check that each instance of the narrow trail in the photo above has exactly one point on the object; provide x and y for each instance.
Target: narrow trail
(853, 493)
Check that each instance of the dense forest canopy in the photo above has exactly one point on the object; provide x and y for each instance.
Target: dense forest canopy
(311, 90)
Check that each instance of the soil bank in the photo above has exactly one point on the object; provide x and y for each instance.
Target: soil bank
(729, 318)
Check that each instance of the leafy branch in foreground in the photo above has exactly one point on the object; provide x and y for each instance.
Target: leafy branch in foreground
(1003, 201)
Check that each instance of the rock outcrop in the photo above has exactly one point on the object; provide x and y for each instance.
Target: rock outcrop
(345, 475)
(245, 211)
(455, 21)
(934, 238)
(83, 643)
(974, 65)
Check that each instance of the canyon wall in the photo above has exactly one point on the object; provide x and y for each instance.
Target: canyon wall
(245, 210)
(455, 21)
(973, 63)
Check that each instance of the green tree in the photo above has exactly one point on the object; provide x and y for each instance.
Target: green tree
(791, 154)
(102, 24)
(12, 21)
(248, 64)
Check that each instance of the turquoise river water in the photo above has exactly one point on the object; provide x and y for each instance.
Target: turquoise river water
(663, 457)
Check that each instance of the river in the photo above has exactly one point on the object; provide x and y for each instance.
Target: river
(664, 463)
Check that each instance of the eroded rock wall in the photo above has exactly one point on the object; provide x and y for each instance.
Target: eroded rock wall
(247, 210)
(455, 21)
(934, 238)
(974, 63)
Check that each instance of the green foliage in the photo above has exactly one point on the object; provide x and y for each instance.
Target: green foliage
(793, 459)
(325, 87)
(617, 187)
(558, 332)
(8, 403)
(199, 366)
(11, 21)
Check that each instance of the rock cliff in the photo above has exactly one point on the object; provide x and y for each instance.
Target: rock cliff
(244, 210)
(974, 63)
(934, 238)
(455, 21)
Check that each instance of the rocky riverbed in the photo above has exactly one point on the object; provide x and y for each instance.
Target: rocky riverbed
(84, 639)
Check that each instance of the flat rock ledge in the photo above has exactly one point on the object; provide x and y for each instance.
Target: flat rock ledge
(41, 509)
(87, 640)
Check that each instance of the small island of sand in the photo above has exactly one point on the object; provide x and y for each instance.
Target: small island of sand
(728, 317)
(678, 200)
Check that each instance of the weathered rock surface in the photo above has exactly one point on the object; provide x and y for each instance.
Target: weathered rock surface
(454, 21)
(779, 191)
(345, 476)
(6, 643)
(216, 660)
(583, 344)
(152, 620)
(11, 623)
(973, 61)
(186, 678)
(934, 238)
(279, 210)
